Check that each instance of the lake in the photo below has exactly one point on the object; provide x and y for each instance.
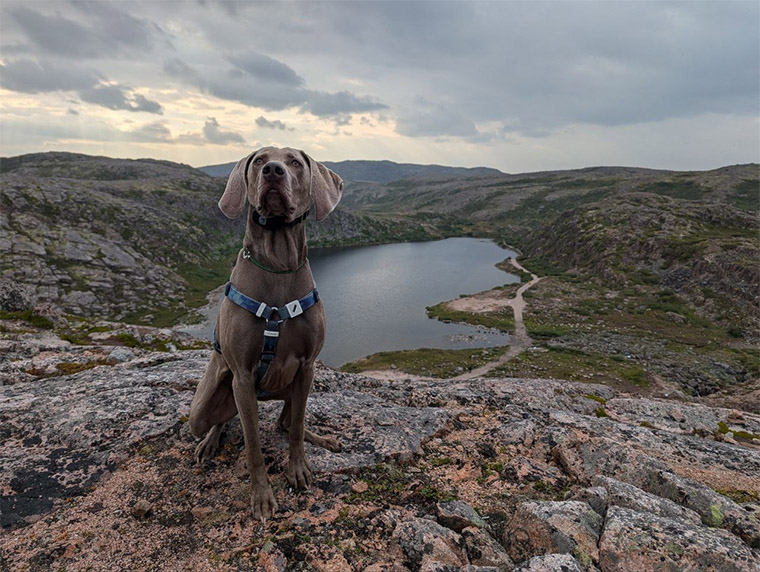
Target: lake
(375, 296)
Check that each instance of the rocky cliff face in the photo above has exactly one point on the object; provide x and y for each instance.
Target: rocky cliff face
(484, 474)
(130, 239)
(104, 237)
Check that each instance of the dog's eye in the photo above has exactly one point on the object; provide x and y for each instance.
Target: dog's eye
(258, 161)
(296, 163)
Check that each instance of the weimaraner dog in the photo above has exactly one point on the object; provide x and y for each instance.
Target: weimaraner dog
(271, 324)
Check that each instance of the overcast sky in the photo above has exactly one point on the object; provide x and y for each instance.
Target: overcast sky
(520, 86)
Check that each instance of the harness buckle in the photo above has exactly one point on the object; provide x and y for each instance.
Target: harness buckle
(294, 308)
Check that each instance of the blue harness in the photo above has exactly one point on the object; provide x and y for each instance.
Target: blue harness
(274, 316)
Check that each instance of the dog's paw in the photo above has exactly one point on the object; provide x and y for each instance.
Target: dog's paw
(263, 503)
(299, 472)
(332, 444)
(205, 450)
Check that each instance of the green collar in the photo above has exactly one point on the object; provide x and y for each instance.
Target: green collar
(247, 256)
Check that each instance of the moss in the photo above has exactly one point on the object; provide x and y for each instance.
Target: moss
(441, 461)
(600, 412)
(722, 428)
(67, 367)
(128, 340)
(29, 317)
(436, 495)
(385, 482)
(715, 519)
(673, 549)
(647, 424)
(596, 398)
(740, 496)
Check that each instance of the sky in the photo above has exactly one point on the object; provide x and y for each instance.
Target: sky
(520, 86)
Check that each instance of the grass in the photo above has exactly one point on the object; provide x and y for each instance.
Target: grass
(500, 320)
(574, 365)
(426, 361)
(29, 317)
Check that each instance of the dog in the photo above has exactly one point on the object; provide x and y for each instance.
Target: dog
(272, 270)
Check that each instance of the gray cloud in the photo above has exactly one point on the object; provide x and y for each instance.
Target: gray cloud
(99, 29)
(469, 71)
(261, 81)
(265, 123)
(177, 68)
(29, 76)
(263, 68)
(324, 104)
(214, 134)
(430, 120)
(118, 97)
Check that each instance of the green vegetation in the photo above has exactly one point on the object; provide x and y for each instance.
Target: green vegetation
(385, 482)
(426, 362)
(29, 317)
(740, 496)
(600, 412)
(501, 320)
(572, 364)
(746, 195)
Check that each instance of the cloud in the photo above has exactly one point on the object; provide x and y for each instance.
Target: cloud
(177, 68)
(118, 97)
(28, 76)
(324, 104)
(156, 132)
(257, 80)
(264, 123)
(263, 68)
(100, 30)
(434, 120)
(214, 134)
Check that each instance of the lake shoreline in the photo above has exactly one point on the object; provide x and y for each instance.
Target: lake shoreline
(388, 275)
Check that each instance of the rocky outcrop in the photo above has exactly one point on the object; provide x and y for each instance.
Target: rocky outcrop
(484, 474)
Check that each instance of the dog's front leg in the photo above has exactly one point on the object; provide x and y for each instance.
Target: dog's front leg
(263, 503)
(299, 470)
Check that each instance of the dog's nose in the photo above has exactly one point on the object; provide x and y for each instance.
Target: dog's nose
(273, 170)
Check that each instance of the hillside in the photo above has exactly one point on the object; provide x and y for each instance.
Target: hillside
(378, 171)
(650, 277)
(133, 239)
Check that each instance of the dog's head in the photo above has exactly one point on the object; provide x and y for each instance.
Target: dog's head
(281, 183)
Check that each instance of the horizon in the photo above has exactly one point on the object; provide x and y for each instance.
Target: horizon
(517, 86)
(198, 167)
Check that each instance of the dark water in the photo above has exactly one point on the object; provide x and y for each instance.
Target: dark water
(375, 296)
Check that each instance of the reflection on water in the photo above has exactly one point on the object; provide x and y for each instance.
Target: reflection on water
(375, 296)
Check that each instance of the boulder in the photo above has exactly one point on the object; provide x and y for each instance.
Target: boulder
(458, 515)
(551, 563)
(569, 527)
(424, 542)
(634, 541)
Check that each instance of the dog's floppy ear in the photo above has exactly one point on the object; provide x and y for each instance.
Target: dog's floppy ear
(326, 188)
(233, 199)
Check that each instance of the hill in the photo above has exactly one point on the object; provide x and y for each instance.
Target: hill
(133, 239)
(378, 171)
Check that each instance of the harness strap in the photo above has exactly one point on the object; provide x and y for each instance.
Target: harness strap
(274, 316)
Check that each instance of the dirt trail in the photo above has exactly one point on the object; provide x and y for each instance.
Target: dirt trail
(519, 341)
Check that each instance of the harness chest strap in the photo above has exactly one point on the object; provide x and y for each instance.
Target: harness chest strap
(274, 316)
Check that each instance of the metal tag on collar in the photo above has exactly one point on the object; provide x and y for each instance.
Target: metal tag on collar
(294, 308)
(262, 220)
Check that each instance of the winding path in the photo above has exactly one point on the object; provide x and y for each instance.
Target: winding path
(519, 341)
